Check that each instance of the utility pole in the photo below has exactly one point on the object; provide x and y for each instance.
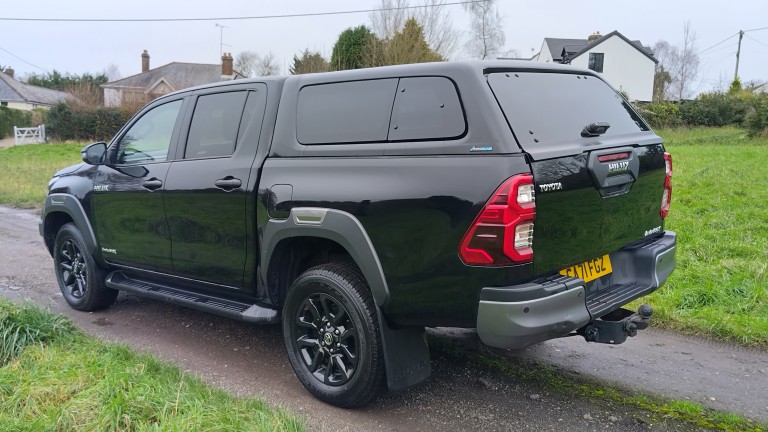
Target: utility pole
(738, 52)
(221, 39)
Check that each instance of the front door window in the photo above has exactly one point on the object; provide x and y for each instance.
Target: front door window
(148, 139)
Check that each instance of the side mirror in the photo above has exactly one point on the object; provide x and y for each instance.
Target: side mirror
(94, 154)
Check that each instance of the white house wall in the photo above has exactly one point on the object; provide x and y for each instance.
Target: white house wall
(544, 55)
(112, 97)
(23, 106)
(624, 67)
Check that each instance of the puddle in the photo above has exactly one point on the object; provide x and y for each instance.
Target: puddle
(102, 322)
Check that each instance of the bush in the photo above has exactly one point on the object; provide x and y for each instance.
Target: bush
(83, 123)
(661, 114)
(10, 117)
(757, 115)
(714, 109)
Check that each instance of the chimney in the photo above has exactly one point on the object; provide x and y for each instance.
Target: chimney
(144, 62)
(10, 72)
(593, 37)
(226, 64)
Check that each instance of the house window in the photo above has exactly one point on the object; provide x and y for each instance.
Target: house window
(3, 103)
(596, 61)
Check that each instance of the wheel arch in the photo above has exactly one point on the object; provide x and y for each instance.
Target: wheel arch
(335, 232)
(60, 209)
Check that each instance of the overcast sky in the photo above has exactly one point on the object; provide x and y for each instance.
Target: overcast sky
(77, 47)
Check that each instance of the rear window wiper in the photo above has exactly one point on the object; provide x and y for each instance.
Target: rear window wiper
(595, 129)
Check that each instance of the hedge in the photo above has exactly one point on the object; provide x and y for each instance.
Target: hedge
(744, 109)
(10, 117)
(66, 122)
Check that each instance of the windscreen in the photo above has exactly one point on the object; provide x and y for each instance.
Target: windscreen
(551, 107)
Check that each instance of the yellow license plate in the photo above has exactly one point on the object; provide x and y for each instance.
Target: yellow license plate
(590, 270)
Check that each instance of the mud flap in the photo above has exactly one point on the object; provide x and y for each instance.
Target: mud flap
(406, 355)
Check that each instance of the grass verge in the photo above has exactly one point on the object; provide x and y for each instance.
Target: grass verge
(555, 380)
(56, 378)
(25, 171)
(720, 212)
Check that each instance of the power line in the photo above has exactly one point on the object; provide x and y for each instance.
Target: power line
(713, 51)
(31, 64)
(721, 42)
(257, 17)
(760, 42)
(756, 29)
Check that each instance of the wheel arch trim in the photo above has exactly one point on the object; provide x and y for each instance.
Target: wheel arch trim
(69, 205)
(336, 225)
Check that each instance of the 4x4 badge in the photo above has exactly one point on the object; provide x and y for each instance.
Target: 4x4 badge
(480, 149)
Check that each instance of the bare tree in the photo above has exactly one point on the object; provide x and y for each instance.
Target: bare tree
(245, 62)
(250, 63)
(662, 79)
(389, 19)
(267, 65)
(684, 64)
(486, 34)
(112, 72)
(433, 17)
(439, 32)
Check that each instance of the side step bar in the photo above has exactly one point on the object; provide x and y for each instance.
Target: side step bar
(243, 311)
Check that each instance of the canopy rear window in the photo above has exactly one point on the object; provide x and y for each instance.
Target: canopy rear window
(549, 107)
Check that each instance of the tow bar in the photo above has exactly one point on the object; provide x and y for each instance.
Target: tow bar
(615, 327)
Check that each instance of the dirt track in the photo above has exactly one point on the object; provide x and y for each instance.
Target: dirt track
(249, 359)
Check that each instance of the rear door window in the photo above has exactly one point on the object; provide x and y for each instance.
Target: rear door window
(348, 112)
(426, 108)
(547, 108)
(215, 123)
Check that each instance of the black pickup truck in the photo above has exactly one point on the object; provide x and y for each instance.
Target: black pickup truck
(355, 208)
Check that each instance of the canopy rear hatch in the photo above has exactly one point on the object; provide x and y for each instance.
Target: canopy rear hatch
(598, 168)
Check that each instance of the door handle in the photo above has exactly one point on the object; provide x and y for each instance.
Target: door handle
(152, 184)
(228, 183)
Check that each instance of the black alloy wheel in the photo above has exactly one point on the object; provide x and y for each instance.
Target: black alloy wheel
(80, 279)
(73, 270)
(331, 333)
(327, 339)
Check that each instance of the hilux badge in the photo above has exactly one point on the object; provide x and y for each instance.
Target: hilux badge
(616, 167)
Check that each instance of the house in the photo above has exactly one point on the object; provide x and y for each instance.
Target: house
(627, 65)
(151, 83)
(19, 95)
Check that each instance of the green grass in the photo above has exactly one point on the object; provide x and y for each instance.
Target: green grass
(720, 212)
(25, 171)
(569, 386)
(57, 378)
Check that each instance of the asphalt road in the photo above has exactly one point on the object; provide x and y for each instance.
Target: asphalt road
(250, 360)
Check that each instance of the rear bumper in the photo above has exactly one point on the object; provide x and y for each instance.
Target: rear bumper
(521, 315)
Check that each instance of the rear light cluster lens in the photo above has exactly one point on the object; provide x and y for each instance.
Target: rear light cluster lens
(502, 234)
(666, 197)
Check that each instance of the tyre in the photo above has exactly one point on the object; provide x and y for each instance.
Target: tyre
(332, 337)
(80, 279)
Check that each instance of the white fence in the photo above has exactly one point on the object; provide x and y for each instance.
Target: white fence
(29, 135)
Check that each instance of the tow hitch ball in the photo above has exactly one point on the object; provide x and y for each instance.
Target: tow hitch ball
(615, 327)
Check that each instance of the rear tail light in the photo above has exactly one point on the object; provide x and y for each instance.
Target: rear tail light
(502, 234)
(666, 196)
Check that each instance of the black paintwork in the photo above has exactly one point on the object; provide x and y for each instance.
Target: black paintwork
(414, 199)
